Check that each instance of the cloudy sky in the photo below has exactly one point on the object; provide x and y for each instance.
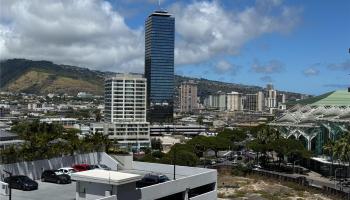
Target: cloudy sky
(297, 45)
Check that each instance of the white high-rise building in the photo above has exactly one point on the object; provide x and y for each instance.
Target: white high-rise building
(271, 97)
(219, 101)
(234, 101)
(125, 111)
(125, 98)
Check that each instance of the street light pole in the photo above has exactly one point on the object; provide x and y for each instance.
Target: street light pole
(294, 165)
(9, 183)
(174, 157)
(335, 177)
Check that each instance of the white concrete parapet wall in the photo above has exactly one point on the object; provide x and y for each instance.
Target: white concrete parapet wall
(190, 178)
(4, 189)
(206, 196)
(33, 169)
(113, 197)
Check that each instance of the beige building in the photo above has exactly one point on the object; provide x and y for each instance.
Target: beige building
(234, 101)
(188, 97)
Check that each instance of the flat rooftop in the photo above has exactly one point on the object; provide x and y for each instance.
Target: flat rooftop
(106, 177)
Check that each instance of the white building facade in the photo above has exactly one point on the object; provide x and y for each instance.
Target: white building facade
(234, 101)
(125, 111)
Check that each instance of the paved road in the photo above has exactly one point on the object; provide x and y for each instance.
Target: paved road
(313, 179)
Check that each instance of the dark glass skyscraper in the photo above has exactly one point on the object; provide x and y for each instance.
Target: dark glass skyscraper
(159, 66)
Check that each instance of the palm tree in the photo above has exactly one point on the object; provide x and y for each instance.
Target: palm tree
(329, 148)
(342, 149)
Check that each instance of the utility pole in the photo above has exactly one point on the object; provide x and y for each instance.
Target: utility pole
(335, 177)
(9, 184)
(174, 156)
(174, 162)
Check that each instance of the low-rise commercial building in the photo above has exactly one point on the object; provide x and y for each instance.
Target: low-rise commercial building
(63, 121)
(127, 134)
(177, 129)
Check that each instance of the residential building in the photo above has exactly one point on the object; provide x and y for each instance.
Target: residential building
(125, 111)
(220, 101)
(234, 101)
(159, 66)
(125, 98)
(271, 97)
(188, 97)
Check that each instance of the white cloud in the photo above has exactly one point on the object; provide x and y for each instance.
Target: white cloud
(224, 67)
(272, 66)
(207, 29)
(312, 71)
(91, 33)
(84, 33)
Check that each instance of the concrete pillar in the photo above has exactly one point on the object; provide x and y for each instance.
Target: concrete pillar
(309, 143)
(77, 191)
(186, 194)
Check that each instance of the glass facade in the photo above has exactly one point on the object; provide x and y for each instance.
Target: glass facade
(159, 66)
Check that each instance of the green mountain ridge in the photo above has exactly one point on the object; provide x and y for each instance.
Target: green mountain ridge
(42, 77)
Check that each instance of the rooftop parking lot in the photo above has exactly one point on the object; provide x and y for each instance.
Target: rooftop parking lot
(46, 191)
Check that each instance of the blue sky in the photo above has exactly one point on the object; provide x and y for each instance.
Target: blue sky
(298, 45)
(321, 38)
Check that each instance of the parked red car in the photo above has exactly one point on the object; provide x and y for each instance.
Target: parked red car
(81, 167)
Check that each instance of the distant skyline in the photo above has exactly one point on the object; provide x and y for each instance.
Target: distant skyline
(299, 46)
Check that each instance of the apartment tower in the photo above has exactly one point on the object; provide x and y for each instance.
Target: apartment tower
(188, 97)
(125, 111)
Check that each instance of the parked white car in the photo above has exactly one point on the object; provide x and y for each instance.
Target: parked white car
(66, 170)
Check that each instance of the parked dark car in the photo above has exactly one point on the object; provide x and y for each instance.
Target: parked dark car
(21, 182)
(81, 167)
(151, 179)
(55, 177)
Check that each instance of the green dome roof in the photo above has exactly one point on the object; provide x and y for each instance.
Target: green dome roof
(336, 98)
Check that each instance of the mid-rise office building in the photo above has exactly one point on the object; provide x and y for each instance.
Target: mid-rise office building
(188, 97)
(254, 102)
(125, 111)
(159, 66)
